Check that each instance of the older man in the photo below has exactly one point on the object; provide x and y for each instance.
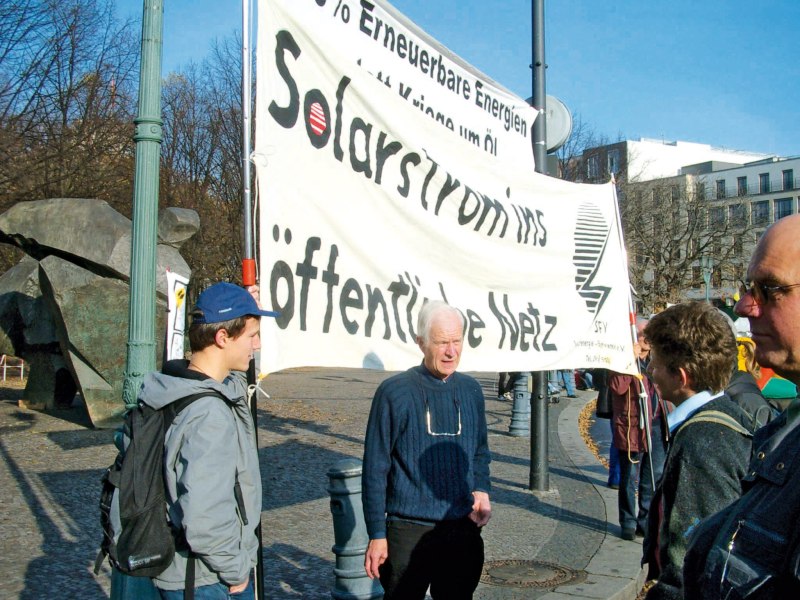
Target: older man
(751, 549)
(426, 470)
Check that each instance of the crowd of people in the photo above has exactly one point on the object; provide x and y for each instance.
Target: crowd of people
(707, 469)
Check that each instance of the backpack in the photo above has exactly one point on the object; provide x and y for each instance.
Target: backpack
(146, 543)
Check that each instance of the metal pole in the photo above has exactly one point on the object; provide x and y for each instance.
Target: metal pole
(248, 260)
(141, 357)
(142, 325)
(539, 93)
(539, 474)
(539, 478)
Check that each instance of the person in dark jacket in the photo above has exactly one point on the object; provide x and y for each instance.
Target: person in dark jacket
(751, 549)
(691, 346)
(641, 459)
(425, 480)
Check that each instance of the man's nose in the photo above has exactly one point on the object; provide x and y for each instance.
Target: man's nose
(747, 307)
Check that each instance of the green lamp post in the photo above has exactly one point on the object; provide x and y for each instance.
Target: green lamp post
(141, 354)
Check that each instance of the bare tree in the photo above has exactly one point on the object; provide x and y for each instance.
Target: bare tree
(669, 226)
(201, 157)
(67, 74)
(583, 137)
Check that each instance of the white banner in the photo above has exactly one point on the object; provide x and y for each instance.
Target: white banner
(371, 203)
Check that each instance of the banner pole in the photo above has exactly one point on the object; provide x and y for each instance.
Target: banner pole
(644, 400)
(248, 258)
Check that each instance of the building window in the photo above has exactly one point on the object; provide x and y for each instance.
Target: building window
(700, 190)
(788, 179)
(675, 191)
(782, 208)
(593, 167)
(763, 183)
(759, 212)
(697, 278)
(716, 217)
(720, 188)
(613, 160)
(741, 186)
(737, 215)
(716, 278)
(737, 246)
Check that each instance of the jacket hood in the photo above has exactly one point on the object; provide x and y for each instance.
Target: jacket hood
(177, 381)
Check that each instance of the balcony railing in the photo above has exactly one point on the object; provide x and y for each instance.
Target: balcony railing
(754, 189)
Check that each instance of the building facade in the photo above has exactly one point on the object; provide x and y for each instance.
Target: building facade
(692, 213)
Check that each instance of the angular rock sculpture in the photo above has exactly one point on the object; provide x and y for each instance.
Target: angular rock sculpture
(64, 307)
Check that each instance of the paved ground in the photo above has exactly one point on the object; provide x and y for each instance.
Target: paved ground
(51, 465)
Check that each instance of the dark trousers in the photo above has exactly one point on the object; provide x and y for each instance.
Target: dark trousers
(635, 473)
(447, 556)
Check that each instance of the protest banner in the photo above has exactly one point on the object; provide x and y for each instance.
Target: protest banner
(371, 203)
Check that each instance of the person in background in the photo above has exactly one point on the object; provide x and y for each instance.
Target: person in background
(743, 387)
(566, 379)
(640, 465)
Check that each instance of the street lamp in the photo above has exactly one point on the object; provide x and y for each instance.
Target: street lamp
(707, 265)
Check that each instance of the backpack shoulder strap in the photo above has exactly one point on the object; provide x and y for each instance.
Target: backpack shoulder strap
(720, 418)
(174, 408)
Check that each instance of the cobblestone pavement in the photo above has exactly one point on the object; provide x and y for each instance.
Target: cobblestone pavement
(51, 465)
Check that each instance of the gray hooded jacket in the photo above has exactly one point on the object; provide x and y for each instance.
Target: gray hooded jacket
(209, 444)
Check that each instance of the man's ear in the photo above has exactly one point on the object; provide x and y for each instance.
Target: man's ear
(686, 378)
(221, 337)
(420, 343)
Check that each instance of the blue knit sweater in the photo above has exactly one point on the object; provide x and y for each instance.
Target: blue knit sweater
(409, 473)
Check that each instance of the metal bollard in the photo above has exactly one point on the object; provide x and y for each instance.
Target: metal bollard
(521, 409)
(350, 534)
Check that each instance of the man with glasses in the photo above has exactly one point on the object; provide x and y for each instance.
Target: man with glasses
(751, 549)
(425, 483)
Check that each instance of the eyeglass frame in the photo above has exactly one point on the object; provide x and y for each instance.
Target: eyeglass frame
(761, 290)
(444, 434)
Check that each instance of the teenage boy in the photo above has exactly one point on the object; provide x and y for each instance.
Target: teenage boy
(212, 478)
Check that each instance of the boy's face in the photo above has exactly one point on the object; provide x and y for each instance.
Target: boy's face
(667, 382)
(241, 349)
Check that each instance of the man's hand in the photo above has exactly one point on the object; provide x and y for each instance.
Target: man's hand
(377, 553)
(235, 589)
(481, 509)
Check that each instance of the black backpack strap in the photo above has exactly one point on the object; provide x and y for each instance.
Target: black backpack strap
(174, 409)
(188, 589)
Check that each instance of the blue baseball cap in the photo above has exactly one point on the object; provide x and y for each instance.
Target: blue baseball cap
(226, 301)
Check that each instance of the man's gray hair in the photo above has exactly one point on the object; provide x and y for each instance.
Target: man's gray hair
(431, 309)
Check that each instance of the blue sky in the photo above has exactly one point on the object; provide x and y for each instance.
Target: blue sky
(721, 72)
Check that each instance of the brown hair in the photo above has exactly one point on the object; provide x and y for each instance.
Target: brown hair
(696, 337)
(201, 335)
